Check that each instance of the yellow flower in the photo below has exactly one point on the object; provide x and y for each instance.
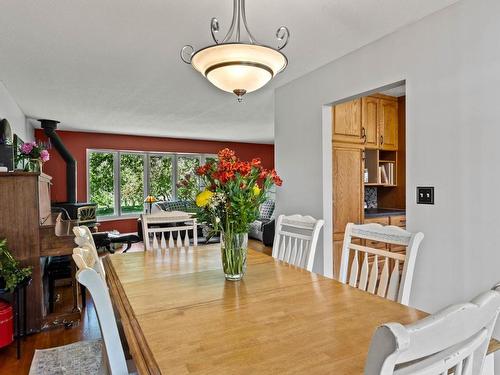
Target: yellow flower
(256, 190)
(204, 198)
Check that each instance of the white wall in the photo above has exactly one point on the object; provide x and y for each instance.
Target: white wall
(11, 111)
(451, 64)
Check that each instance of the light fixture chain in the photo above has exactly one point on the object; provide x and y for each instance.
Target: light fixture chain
(238, 12)
(233, 22)
(245, 25)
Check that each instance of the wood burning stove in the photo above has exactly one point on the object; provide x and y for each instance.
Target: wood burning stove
(71, 206)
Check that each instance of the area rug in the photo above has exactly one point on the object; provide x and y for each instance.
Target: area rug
(83, 357)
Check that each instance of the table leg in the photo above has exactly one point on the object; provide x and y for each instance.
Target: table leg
(17, 325)
(24, 313)
(74, 285)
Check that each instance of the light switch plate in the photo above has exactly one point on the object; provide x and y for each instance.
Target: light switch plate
(425, 195)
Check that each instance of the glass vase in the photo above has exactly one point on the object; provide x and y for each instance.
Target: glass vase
(234, 248)
(32, 165)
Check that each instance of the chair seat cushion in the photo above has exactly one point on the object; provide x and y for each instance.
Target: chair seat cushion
(83, 357)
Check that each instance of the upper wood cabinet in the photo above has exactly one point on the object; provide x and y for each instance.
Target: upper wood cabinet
(372, 121)
(388, 124)
(347, 122)
(369, 121)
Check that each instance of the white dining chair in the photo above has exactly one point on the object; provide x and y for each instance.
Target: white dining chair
(90, 259)
(158, 235)
(83, 235)
(296, 239)
(390, 284)
(92, 357)
(454, 340)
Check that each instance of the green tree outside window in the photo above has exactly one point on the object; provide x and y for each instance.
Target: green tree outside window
(160, 177)
(131, 183)
(101, 182)
(188, 182)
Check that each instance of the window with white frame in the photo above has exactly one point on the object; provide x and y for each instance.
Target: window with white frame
(119, 181)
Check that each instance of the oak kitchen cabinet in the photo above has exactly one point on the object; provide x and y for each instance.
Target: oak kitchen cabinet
(369, 121)
(379, 122)
(388, 124)
(348, 192)
(372, 121)
(347, 122)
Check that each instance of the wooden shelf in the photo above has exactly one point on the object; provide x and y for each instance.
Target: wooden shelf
(374, 164)
(378, 185)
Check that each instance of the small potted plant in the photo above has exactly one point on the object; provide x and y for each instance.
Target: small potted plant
(11, 274)
(32, 155)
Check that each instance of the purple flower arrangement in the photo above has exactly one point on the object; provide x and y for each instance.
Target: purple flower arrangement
(32, 153)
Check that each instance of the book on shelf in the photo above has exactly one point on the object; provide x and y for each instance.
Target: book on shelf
(383, 175)
(386, 174)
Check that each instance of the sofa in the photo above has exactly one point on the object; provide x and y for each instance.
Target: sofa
(262, 229)
(178, 205)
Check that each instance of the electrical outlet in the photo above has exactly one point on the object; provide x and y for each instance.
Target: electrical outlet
(425, 195)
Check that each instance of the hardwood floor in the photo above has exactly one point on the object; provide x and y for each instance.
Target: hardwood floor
(88, 329)
(259, 246)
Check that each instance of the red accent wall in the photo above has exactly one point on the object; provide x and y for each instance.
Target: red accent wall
(78, 143)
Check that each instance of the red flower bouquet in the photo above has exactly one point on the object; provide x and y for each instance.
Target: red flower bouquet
(234, 191)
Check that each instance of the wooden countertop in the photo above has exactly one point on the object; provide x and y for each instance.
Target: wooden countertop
(181, 317)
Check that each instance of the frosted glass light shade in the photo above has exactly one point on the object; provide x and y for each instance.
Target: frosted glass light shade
(238, 66)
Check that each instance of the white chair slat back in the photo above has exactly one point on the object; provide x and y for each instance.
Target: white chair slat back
(384, 282)
(86, 248)
(83, 236)
(107, 322)
(295, 240)
(161, 237)
(454, 340)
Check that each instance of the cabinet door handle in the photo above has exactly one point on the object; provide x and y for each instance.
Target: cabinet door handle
(363, 135)
(381, 140)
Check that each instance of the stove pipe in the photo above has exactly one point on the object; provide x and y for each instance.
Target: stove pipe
(49, 128)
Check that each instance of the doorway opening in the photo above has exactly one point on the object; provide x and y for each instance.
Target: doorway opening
(364, 165)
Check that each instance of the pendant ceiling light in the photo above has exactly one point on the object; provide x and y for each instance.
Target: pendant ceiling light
(236, 66)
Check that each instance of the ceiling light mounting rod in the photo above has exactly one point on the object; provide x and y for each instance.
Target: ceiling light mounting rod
(235, 65)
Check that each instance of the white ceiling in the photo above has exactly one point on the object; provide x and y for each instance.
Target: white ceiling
(113, 66)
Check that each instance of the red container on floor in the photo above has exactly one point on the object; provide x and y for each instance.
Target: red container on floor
(6, 324)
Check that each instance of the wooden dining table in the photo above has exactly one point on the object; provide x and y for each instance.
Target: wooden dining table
(180, 316)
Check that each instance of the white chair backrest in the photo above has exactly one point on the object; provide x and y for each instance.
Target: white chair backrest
(83, 235)
(454, 339)
(109, 330)
(388, 284)
(86, 257)
(161, 237)
(295, 240)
